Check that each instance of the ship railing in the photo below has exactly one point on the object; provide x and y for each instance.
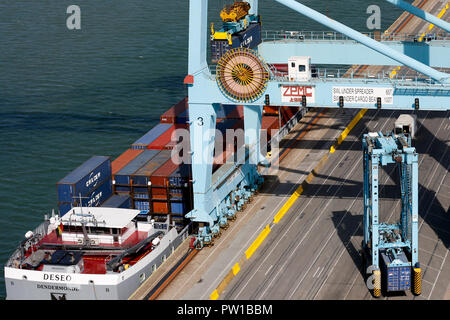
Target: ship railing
(281, 35)
(17, 257)
(407, 78)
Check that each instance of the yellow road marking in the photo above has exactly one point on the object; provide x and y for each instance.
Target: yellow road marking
(347, 130)
(257, 242)
(264, 233)
(236, 269)
(214, 295)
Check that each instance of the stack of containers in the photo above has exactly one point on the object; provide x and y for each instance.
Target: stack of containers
(271, 110)
(164, 141)
(124, 159)
(287, 113)
(141, 188)
(152, 181)
(269, 124)
(123, 178)
(89, 185)
(151, 136)
(177, 113)
(173, 181)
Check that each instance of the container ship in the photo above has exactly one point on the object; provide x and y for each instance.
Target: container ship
(119, 220)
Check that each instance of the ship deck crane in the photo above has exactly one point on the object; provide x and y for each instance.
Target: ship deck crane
(218, 196)
(391, 250)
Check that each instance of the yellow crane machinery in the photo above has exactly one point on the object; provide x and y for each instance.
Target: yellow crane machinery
(235, 12)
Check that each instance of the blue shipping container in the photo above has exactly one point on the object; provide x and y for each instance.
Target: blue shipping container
(123, 177)
(118, 201)
(179, 208)
(397, 278)
(92, 199)
(248, 38)
(183, 117)
(64, 208)
(84, 179)
(122, 188)
(180, 177)
(142, 205)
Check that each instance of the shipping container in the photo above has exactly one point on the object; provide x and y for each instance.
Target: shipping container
(84, 179)
(183, 118)
(142, 205)
(172, 115)
(236, 112)
(179, 113)
(248, 38)
(159, 193)
(269, 124)
(287, 113)
(396, 278)
(151, 136)
(179, 208)
(93, 199)
(171, 174)
(125, 158)
(160, 207)
(142, 176)
(122, 189)
(118, 201)
(165, 141)
(181, 176)
(271, 110)
(123, 177)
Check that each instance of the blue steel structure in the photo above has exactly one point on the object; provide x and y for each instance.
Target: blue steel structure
(217, 197)
(380, 238)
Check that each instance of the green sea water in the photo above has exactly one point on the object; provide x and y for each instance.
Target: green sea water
(66, 95)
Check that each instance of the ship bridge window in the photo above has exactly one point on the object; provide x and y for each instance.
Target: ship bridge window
(74, 229)
(293, 64)
(301, 68)
(99, 230)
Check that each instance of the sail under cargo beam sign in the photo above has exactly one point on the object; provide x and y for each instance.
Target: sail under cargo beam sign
(363, 95)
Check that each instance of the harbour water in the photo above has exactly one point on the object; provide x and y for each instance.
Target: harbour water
(66, 95)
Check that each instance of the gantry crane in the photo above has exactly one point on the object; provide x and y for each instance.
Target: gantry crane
(245, 77)
(391, 250)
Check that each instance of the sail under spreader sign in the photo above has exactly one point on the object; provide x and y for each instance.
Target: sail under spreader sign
(363, 95)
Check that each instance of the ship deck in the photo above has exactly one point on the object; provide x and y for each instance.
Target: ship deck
(95, 261)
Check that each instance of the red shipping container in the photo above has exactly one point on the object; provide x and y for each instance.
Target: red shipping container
(271, 110)
(159, 193)
(124, 159)
(287, 113)
(170, 116)
(160, 207)
(161, 176)
(269, 124)
(164, 141)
